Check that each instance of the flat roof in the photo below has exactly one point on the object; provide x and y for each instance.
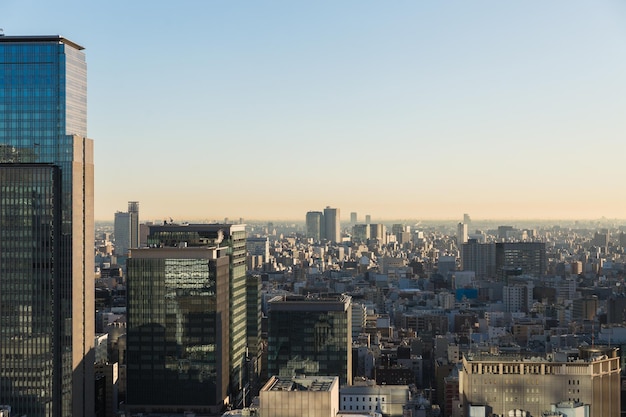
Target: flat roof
(313, 383)
(36, 38)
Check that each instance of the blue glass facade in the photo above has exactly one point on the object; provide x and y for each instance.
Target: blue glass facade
(43, 123)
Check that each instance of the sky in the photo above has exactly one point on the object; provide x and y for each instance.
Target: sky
(398, 109)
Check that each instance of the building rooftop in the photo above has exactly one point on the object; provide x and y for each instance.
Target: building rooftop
(44, 38)
(316, 383)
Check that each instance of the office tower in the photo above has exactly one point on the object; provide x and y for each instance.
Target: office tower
(332, 228)
(178, 326)
(479, 257)
(315, 225)
(353, 217)
(520, 258)
(461, 234)
(232, 236)
(259, 246)
(466, 218)
(126, 229)
(133, 211)
(360, 232)
(311, 336)
(377, 231)
(398, 229)
(46, 229)
(504, 232)
(587, 380)
(368, 219)
(121, 230)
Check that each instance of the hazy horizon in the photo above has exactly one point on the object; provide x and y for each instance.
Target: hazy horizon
(395, 109)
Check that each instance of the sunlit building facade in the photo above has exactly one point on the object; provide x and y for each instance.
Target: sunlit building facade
(531, 386)
(46, 229)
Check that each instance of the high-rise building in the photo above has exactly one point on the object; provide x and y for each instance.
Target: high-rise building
(232, 236)
(178, 326)
(121, 232)
(332, 227)
(46, 229)
(126, 229)
(311, 336)
(353, 217)
(368, 219)
(461, 234)
(133, 211)
(315, 225)
(479, 257)
(527, 258)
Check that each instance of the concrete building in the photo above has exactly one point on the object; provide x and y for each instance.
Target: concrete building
(315, 225)
(313, 331)
(527, 258)
(259, 246)
(534, 385)
(389, 400)
(126, 229)
(461, 234)
(46, 255)
(479, 257)
(306, 396)
(332, 226)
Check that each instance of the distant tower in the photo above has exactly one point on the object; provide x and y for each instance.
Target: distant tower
(466, 218)
(133, 211)
(121, 231)
(332, 227)
(368, 219)
(126, 229)
(353, 217)
(314, 225)
(461, 234)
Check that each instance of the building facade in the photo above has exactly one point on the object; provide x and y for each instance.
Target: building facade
(46, 229)
(479, 257)
(232, 237)
(533, 386)
(304, 396)
(178, 329)
(311, 336)
(332, 226)
(126, 229)
(315, 225)
(520, 258)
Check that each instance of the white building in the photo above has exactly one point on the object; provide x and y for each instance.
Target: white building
(386, 399)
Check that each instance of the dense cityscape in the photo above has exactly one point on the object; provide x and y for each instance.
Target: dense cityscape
(341, 313)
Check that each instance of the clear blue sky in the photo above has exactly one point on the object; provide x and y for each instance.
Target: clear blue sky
(398, 109)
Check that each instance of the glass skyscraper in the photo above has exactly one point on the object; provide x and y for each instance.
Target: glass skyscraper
(178, 320)
(233, 238)
(310, 335)
(46, 229)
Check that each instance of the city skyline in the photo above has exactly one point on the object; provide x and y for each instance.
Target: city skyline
(396, 110)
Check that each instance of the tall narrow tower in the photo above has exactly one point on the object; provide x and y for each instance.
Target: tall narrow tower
(332, 227)
(46, 229)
